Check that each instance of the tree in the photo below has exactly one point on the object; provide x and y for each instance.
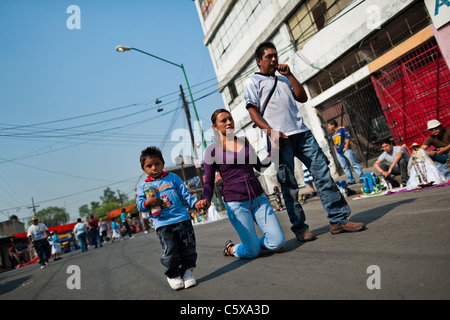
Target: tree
(85, 211)
(108, 196)
(53, 216)
(109, 202)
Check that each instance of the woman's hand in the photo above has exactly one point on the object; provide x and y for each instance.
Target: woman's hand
(202, 204)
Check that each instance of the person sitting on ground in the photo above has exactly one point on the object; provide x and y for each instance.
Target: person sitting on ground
(440, 139)
(393, 162)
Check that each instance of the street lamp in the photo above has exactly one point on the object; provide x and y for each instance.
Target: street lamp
(125, 48)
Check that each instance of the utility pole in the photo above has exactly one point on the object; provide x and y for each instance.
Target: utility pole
(33, 206)
(188, 117)
(120, 198)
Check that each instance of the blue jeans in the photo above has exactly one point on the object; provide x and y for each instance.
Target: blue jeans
(441, 158)
(243, 217)
(82, 241)
(305, 147)
(348, 157)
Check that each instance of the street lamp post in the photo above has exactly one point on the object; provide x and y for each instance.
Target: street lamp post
(125, 48)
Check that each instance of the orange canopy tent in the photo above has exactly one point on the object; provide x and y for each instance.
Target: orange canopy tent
(116, 212)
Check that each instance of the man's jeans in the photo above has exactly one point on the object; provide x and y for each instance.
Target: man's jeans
(305, 147)
(348, 157)
(82, 241)
(43, 251)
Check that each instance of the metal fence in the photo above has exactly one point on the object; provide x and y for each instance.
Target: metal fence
(413, 90)
(359, 110)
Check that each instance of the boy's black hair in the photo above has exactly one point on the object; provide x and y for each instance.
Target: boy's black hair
(332, 122)
(151, 152)
(259, 52)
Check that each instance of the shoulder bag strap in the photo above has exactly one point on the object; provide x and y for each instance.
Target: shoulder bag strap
(266, 102)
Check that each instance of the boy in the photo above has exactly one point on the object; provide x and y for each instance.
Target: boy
(172, 222)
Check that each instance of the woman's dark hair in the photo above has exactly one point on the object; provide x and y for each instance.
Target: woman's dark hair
(216, 113)
(151, 152)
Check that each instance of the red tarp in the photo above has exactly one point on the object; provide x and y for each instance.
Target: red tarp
(65, 228)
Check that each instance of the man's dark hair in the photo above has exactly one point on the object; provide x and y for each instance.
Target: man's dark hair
(332, 122)
(262, 47)
(150, 152)
(386, 141)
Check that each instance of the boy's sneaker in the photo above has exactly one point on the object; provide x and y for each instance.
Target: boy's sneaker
(176, 283)
(189, 280)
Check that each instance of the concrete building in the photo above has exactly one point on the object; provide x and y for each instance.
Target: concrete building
(349, 54)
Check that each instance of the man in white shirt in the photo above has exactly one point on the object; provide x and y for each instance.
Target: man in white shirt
(274, 109)
(393, 162)
(37, 236)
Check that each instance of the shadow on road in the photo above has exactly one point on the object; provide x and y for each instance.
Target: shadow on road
(367, 216)
(12, 285)
(229, 267)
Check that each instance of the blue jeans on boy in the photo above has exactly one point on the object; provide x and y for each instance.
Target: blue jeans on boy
(348, 157)
(305, 147)
(243, 215)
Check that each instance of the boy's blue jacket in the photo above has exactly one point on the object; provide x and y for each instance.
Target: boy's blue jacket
(174, 197)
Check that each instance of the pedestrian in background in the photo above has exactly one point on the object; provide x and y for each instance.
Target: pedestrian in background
(80, 231)
(124, 219)
(341, 141)
(56, 246)
(37, 236)
(145, 218)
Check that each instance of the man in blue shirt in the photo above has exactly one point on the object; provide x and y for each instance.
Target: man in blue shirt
(123, 217)
(344, 153)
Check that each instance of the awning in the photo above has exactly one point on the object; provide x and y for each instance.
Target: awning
(65, 228)
(116, 212)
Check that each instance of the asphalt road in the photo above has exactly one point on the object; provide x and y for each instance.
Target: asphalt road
(407, 240)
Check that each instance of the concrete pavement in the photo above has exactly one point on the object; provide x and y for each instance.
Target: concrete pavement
(407, 240)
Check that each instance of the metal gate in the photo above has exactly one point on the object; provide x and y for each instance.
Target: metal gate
(413, 90)
(359, 110)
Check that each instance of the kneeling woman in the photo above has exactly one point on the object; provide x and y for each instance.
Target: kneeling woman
(245, 200)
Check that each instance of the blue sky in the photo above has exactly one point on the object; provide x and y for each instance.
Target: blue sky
(75, 113)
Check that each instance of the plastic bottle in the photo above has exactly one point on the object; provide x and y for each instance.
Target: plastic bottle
(149, 192)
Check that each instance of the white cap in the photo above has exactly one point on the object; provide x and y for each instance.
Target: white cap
(433, 124)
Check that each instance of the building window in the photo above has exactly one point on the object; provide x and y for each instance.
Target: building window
(311, 17)
(232, 90)
(235, 25)
(376, 44)
(206, 7)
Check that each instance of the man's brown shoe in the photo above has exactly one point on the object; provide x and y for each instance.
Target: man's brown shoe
(306, 236)
(348, 227)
